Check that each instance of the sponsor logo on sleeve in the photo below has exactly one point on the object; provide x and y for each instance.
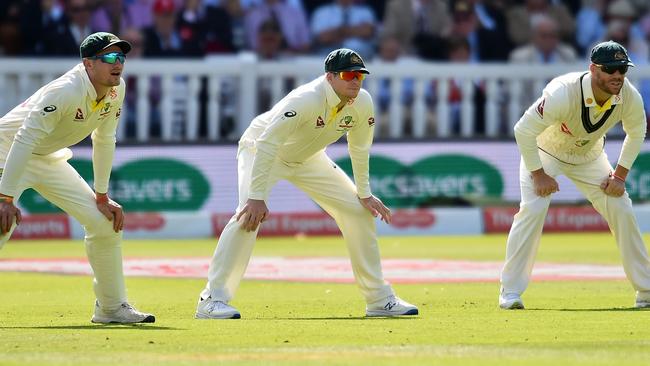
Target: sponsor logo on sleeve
(371, 121)
(540, 108)
(48, 109)
(319, 122)
(79, 116)
(290, 114)
(119, 112)
(565, 129)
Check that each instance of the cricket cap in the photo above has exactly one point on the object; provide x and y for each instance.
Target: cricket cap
(344, 59)
(97, 42)
(610, 53)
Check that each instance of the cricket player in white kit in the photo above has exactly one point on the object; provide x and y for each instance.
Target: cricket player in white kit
(34, 141)
(289, 142)
(563, 132)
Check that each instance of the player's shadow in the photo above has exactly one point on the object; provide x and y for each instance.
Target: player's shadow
(346, 318)
(590, 309)
(98, 327)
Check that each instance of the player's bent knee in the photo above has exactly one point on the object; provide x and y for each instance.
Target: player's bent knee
(535, 207)
(101, 228)
(620, 205)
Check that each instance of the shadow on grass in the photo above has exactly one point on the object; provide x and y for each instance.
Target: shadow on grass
(99, 327)
(347, 318)
(592, 309)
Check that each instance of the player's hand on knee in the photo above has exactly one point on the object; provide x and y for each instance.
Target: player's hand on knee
(7, 214)
(543, 183)
(111, 210)
(254, 213)
(613, 187)
(377, 208)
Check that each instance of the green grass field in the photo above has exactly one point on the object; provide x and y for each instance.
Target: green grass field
(44, 319)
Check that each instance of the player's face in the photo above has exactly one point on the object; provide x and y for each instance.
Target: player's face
(609, 83)
(106, 67)
(346, 84)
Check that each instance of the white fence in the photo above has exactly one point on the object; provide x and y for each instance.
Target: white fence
(230, 85)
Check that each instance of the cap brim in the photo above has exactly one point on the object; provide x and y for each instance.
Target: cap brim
(122, 44)
(361, 69)
(617, 63)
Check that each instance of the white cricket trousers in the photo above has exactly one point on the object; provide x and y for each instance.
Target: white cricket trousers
(333, 190)
(59, 183)
(526, 230)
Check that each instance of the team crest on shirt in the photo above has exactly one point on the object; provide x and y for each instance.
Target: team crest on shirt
(540, 108)
(79, 116)
(565, 129)
(346, 123)
(319, 122)
(105, 111)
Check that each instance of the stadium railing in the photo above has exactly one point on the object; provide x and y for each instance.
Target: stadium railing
(232, 82)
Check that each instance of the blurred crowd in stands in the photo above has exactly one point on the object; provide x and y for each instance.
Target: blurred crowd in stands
(518, 31)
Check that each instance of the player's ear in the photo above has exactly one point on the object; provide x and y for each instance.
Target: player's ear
(87, 63)
(592, 68)
(328, 76)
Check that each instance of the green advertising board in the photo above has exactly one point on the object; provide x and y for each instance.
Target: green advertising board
(434, 180)
(638, 180)
(153, 184)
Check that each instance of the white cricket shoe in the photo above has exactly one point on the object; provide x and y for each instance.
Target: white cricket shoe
(125, 314)
(510, 301)
(642, 304)
(211, 309)
(391, 306)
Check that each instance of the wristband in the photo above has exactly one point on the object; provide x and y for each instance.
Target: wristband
(101, 197)
(618, 177)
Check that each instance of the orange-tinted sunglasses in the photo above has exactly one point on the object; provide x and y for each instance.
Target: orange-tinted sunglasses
(349, 75)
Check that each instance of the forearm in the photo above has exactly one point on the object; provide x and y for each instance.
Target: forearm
(102, 165)
(15, 166)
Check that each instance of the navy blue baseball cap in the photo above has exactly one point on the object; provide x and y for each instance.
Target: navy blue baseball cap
(610, 53)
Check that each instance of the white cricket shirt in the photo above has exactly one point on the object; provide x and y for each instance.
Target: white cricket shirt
(57, 116)
(303, 124)
(566, 123)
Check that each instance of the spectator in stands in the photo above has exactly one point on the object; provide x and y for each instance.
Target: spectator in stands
(35, 16)
(192, 28)
(419, 25)
(163, 39)
(224, 31)
(589, 21)
(391, 52)
(119, 15)
(519, 18)
(486, 42)
(459, 52)
(544, 48)
(10, 42)
(135, 37)
(62, 38)
(270, 47)
(291, 21)
(342, 23)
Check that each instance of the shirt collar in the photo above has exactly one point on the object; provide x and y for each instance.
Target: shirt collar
(590, 100)
(85, 80)
(330, 95)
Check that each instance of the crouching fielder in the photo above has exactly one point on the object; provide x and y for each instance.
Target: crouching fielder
(563, 133)
(289, 142)
(34, 141)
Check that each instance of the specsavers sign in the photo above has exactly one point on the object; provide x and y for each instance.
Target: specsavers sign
(152, 184)
(432, 180)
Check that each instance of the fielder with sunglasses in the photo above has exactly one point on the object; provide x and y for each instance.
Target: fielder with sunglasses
(34, 141)
(288, 142)
(563, 132)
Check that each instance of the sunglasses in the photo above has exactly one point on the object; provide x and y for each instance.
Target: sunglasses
(612, 69)
(349, 75)
(110, 58)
